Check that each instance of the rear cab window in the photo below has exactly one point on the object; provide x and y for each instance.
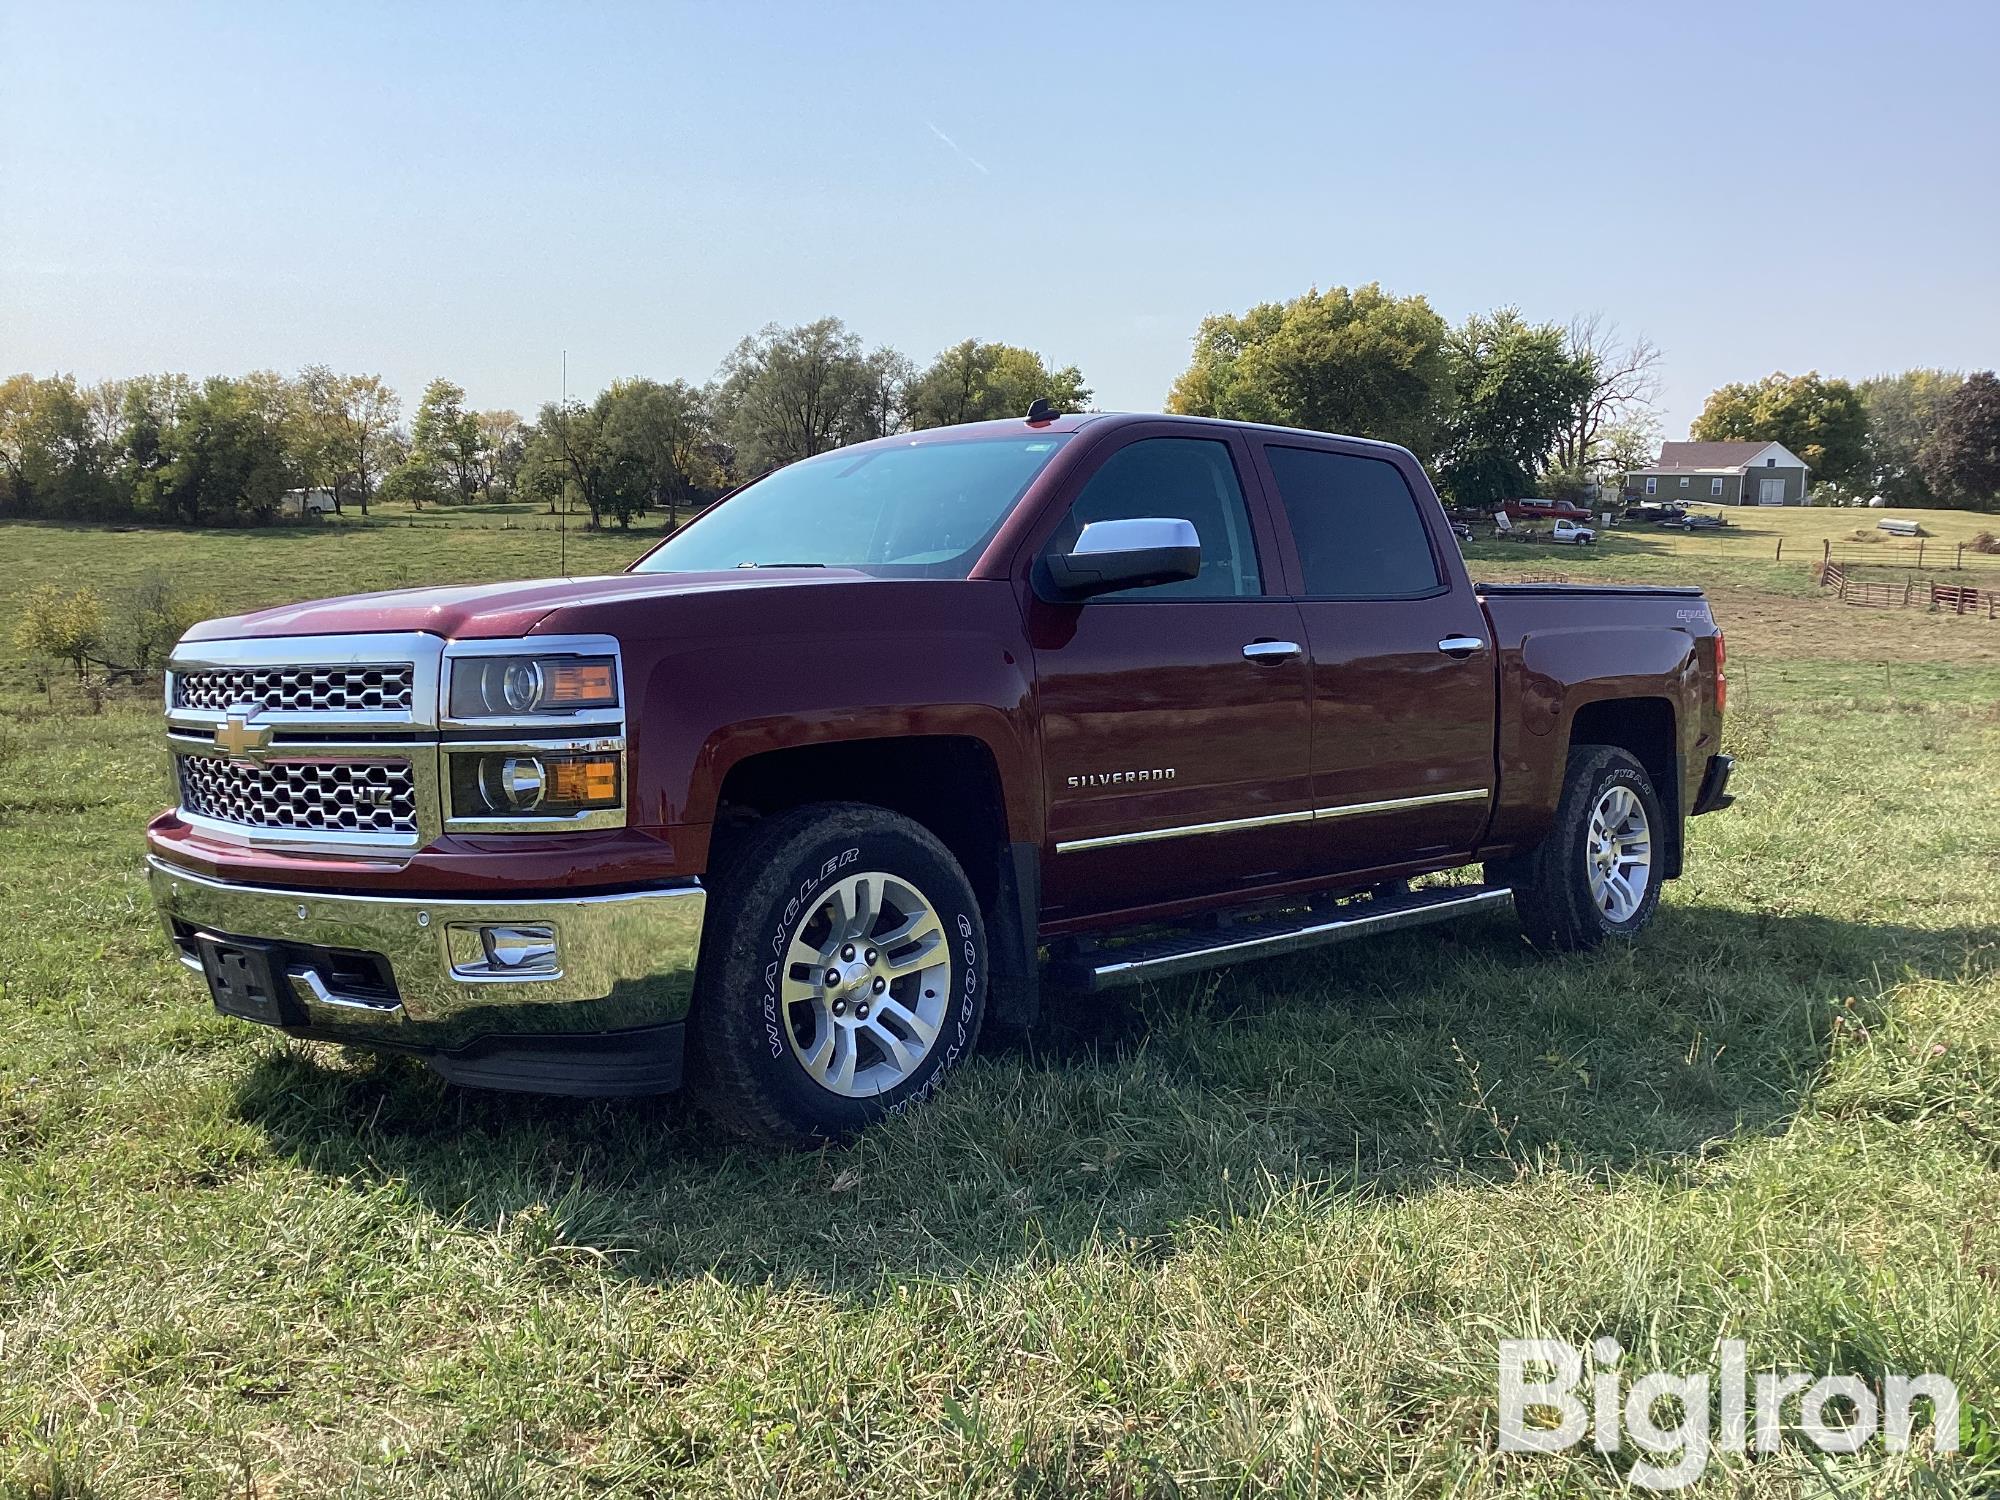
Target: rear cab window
(1356, 525)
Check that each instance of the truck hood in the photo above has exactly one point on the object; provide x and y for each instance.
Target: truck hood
(497, 610)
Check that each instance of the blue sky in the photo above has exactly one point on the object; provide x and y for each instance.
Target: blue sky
(470, 189)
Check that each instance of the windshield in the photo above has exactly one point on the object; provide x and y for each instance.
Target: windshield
(924, 510)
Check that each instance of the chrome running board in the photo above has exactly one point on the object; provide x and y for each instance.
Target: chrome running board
(1267, 937)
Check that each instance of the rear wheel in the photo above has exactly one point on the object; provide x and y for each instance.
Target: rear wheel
(1597, 873)
(843, 973)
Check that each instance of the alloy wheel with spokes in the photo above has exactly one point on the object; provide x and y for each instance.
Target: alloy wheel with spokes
(843, 973)
(1620, 854)
(866, 984)
(1596, 873)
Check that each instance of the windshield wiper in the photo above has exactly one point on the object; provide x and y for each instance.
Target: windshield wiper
(779, 565)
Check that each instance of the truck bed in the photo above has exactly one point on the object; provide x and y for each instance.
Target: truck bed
(1574, 661)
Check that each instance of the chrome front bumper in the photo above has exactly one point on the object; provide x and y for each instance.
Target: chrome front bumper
(622, 961)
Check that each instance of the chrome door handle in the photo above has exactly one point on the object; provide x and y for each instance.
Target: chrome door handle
(1461, 646)
(1269, 653)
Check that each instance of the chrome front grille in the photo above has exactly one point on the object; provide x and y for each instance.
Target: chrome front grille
(326, 796)
(336, 744)
(331, 690)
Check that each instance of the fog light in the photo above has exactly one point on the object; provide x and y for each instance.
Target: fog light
(519, 949)
(516, 783)
(554, 785)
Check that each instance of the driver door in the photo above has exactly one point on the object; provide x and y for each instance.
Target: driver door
(1175, 719)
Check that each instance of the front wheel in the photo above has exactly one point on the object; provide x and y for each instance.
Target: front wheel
(1597, 873)
(843, 973)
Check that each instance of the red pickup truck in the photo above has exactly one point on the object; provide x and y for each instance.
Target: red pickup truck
(889, 742)
(1545, 510)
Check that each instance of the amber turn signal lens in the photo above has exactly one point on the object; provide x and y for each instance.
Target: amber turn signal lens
(575, 685)
(589, 782)
(518, 687)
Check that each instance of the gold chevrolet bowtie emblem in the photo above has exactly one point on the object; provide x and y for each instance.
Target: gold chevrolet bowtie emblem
(235, 736)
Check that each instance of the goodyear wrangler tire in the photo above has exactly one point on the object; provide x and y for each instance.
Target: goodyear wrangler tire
(1597, 873)
(843, 973)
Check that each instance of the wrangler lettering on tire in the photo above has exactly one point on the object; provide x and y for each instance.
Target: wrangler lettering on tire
(841, 976)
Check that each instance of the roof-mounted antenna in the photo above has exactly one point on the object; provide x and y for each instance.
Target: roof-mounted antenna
(1039, 410)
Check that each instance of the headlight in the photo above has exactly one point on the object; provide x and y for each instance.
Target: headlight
(516, 784)
(509, 687)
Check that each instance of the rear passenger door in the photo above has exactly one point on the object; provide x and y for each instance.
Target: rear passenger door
(1403, 683)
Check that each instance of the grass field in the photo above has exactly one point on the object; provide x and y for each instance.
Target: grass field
(1254, 1234)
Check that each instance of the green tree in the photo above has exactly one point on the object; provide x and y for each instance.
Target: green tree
(52, 461)
(1630, 443)
(502, 436)
(568, 458)
(975, 382)
(664, 434)
(881, 401)
(413, 482)
(1362, 362)
(788, 393)
(338, 428)
(1961, 461)
(1821, 420)
(65, 624)
(315, 438)
(17, 395)
(1903, 412)
(154, 614)
(1624, 380)
(105, 403)
(1519, 387)
(369, 410)
(151, 408)
(445, 441)
(216, 458)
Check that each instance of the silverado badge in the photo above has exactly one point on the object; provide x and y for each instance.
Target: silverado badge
(1119, 778)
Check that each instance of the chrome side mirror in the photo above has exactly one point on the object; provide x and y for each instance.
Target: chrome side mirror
(1126, 554)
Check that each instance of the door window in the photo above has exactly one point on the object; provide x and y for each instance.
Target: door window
(1181, 479)
(1356, 525)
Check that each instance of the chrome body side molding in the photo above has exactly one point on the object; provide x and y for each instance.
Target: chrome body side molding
(1303, 815)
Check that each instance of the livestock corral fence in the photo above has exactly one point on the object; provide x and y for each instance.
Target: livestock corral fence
(1911, 593)
(1925, 554)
